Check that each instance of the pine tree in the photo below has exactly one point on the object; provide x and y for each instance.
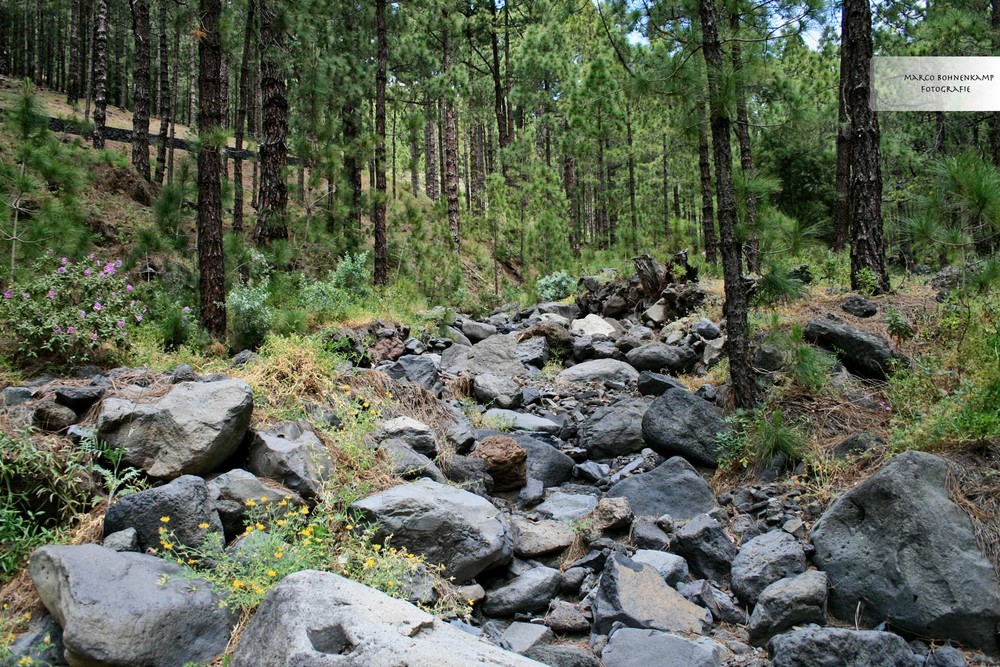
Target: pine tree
(140, 116)
(271, 224)
(100, 71)
(865, 193)
(381, 276)
(211, 266)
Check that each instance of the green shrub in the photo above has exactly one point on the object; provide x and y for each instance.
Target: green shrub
(69, 313)
(809, 367)
(352, 275)
(775, 286)
(554, 286)
(249, 316)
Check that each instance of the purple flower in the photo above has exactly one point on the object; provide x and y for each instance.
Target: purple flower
(144, 310)
(57, 330)
(86, 272)
(98, 306)
(129, 288)
(83, 314)
(109, 269)
(71, 330)
(8, 294)
(93, 336)
(118, 264)
(64, 261)
(51, 294)
(25, 295)
(185, 309)
(91, 255)
(138, 318)
(121, 324)
(61, 269)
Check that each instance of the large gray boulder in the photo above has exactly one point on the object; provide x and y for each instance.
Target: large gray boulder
(898, 547)
(128, 608)
(540, 538)
(674, 487)
(789, 602)
(408, 463)
(421, 370)
(599, 370)
(866, 354)
(186, 503)
(637, 596)
(496, 391)
(190, 431)
(529, 592)
(705, 546)
(545, 463)
(614, 430)
(497, 355)
(629, 647)
(660, 356)
(318, 618)
(764, 560)
(678, 423)
(233, 489)
(293, 455)
(448, 526)
(837, 647)
(520, 421)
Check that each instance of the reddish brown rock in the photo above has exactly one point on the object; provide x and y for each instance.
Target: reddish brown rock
(506, 462)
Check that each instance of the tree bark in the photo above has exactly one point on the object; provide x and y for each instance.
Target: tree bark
(140, 115)
(666, 193)
(742, 381)
(164, 81)
(414, 158)
(431, 160)
(241, 114)
(271, 223)
(381, 276)
(865, 198)
(100, 69)
(631, 182)
(192, 79)
(450, 153)
(746, 155)
(707, 212)
(211, 267)
(499, 95)
(842, 221)
(174, 83)
(995, 130)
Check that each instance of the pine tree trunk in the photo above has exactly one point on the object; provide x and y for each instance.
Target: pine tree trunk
(707, 212)
(631, 182)
(414, 159)
(192, 78)
(842, 221)
(100, 69)
(381, 276)
(174, 99)
(140, 116)
(88, 87)
(450, 155)
(746, 155)
(677, 201)
(478, 168)
(241, 114)
(865, 198)
(211, 267)
(573, 197)
(499, 96)
(666, 193)
(743, 383)
(164, 81)
(271, 223)
(995, 131)
(431, 160)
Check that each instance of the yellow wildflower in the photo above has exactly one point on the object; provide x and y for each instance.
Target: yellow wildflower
(153, 550)
(345, 387)
(391, 583)
(279, 554)
(259, 526)
(280, 522)
(164, 519)
(250, 502)
(272, 573)
(471, 602)
(304, 510)
(258, 590)
(237, 583)
(263, 499)
(377, 547)
(284, 501)
(349, 527)
(204, 525)
(167, 545)
(370, 562)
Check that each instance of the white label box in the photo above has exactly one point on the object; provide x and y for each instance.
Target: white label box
(935, 83)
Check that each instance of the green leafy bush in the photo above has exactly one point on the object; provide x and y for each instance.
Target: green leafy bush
(68, 313)
(555, 286)
(249, 316)
(344, 287)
